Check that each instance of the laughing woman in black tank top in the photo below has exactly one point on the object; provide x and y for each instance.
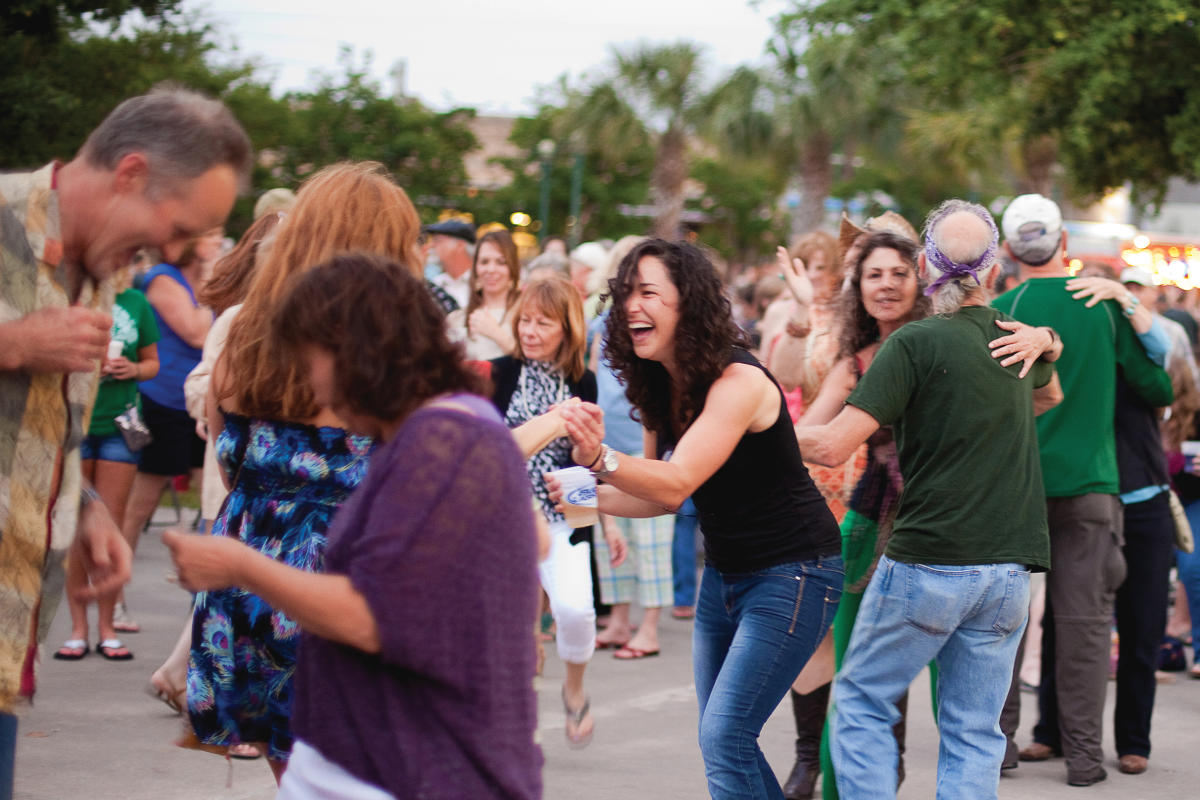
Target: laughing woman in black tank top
(718, 423)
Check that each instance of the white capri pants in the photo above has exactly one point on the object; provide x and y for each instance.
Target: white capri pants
(311, 776)
(566, 576)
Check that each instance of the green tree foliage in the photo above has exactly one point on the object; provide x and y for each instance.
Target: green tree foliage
(48, 21)
(652, 133)
(349, 118)
(50, 93)
(739, 199)
(1106, 87)
(647, 98)
(64, 66)
(616, 168)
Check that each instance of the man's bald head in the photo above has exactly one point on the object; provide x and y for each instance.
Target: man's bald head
(961, 235)
(961, 244)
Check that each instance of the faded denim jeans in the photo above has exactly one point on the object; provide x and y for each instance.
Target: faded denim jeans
(969, 619)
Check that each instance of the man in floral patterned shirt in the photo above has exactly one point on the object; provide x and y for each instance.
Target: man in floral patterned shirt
(161, 169)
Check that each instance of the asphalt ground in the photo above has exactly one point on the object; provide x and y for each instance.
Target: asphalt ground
(93, 732)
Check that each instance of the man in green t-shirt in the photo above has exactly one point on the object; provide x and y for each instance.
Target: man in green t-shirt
(1079, 470)
(953, 584)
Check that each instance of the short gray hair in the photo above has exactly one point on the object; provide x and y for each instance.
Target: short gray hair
(182, 133)
(552, 261)
(970, 246)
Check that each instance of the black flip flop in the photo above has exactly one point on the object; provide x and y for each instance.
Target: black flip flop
(80, 645)
(108, 648)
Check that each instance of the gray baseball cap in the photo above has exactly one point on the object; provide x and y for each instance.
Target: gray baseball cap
(1033, 227)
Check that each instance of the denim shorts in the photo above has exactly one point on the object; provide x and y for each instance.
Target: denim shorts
(106, 448)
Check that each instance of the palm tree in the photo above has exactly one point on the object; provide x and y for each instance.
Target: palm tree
(828, 99)
(798, 113)
(663, 84)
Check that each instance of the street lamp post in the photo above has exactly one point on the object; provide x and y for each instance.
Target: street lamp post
(576, 194)
(545, 150)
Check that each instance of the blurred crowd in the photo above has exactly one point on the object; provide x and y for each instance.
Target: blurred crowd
(987, 453)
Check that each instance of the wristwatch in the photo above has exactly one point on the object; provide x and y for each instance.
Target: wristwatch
(605, 463)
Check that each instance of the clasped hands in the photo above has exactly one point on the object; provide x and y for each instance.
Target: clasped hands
(482, 322)
(584, 424)
(585, 428)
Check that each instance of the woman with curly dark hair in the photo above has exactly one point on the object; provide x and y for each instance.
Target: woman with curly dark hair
(882, 294)
(718, 429)
(414, 675)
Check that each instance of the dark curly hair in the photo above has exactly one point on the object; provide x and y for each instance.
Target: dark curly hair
(385, 331)
(704, 337)
(859, 328)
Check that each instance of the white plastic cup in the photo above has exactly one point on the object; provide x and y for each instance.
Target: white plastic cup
(579, 496)
(114, 349)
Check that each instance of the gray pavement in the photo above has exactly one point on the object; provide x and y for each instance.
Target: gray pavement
(94, 733)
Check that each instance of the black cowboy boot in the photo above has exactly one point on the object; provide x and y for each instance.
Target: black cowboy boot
(809, 711)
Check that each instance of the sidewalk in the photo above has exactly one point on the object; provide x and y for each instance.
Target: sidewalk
(94, 733)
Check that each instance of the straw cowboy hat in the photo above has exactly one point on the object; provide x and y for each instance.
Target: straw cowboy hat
(888, 221)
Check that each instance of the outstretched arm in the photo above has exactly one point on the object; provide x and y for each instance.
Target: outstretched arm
(833, 443)
(1093, 290)
(834, 390)
(742, 396)
(326, 605)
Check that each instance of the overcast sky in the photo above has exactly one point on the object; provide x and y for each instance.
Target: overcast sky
(486, 54)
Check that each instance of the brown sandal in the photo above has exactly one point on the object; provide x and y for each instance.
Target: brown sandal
(243, 751)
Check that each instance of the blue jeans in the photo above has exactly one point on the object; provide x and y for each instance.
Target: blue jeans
(1188, 565)
(683, 554)
(8, 753)
(753, 634)
(967, 618)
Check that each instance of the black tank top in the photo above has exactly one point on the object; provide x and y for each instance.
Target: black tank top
(760, 508)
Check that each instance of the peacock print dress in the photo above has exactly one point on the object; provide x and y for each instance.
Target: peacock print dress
(288, 480)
